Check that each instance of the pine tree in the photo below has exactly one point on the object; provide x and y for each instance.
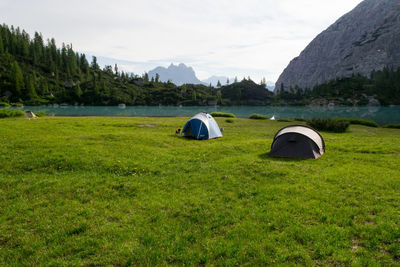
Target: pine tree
(71, 60)
(17, 79)
(116, 69)
(30, 88)
(44, 88)
(146, 77)
(219, 97)
(94, 64)
(263, 82)
(38, 45)
(227, 81)
(84, 65)
(78, 91)
(218, 84)
(105, 90)
(1, 45)
(95, 86)
(236, 79)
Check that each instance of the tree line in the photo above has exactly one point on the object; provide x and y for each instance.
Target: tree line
(382, 85)
(36, 72)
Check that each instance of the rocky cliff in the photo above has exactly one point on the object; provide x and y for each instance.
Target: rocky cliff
(365, 39)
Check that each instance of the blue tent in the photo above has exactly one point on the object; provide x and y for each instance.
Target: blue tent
(202, 126)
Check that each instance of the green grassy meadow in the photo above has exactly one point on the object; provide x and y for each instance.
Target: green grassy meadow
(100, 191)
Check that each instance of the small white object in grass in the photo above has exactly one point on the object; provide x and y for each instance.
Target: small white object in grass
(272, 118)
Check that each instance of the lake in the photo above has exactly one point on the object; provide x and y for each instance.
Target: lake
(381, 115)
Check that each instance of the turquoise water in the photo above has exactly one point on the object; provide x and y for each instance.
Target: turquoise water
(381, 115)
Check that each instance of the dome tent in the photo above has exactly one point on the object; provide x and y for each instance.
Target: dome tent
(297, 141)
(202, 126)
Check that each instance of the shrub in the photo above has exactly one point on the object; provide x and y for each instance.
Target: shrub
(17, 104)
(222, 114)
(40, 113)
(258, 117)
(6, 113)
(300, 119)
(329, 124)
(229, 121)
(283, 120)
(392, 125)
(4, 104)
(364, 122)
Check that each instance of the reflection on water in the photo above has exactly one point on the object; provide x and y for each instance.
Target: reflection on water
(379, 114)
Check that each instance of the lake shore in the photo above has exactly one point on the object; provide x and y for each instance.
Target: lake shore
(382, 115)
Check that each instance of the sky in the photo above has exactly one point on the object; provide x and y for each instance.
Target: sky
(255, 38)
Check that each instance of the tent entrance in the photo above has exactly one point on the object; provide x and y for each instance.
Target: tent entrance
(196, 129)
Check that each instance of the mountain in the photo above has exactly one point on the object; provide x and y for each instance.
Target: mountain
(177, 74)
(363, 40)
(270, 85)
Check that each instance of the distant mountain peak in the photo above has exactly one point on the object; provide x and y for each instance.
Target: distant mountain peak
(178, 74)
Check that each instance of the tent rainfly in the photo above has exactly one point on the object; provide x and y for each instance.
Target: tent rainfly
(202, 126)
(297, 141)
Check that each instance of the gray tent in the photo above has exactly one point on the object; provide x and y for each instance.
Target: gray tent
(297, 141)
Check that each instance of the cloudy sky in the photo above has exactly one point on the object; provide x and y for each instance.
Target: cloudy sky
(255, 38)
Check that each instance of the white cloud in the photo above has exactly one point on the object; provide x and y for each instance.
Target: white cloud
(245, 38)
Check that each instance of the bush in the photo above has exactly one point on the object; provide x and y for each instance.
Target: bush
(329, 124)
(392, 125)
(40, 113)
(283, 120)
(17, 104)
(258, 117)
(300, 119)
(222, 114)
(4, 104)
(229, 121)
(7, 113)
(369, 123)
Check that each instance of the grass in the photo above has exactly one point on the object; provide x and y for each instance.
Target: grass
(115, 191)
(223, 114)
(283, 120)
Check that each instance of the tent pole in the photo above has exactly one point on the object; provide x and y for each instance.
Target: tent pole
(201, 125)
